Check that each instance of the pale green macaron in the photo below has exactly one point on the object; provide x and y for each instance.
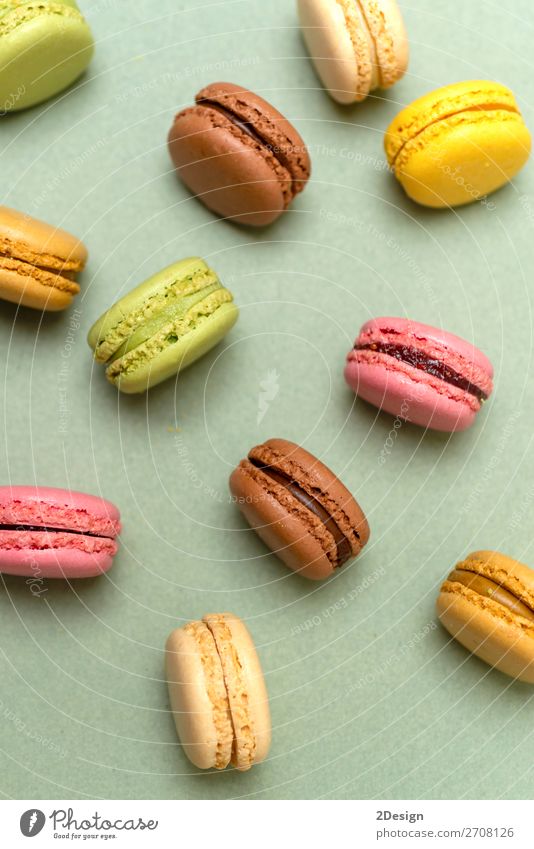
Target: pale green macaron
(44, 47)
(163, 325)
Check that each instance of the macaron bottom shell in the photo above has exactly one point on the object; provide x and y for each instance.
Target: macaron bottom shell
(397, 394)
(44, 48)
(77, 559)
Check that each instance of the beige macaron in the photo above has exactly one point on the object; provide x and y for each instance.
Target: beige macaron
(217, 693)
(487, 604)
(38, 263)
(356, 45)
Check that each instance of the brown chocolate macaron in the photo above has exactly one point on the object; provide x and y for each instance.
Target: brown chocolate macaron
(299, 508)
(238, 154)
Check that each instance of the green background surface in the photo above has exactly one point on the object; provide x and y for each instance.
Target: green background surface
(369, 697)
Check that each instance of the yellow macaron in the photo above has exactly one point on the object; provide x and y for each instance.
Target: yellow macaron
(487, 604)
(458, 143)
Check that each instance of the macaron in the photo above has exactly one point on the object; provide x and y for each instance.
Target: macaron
(356, 46)
(217, 693)
(487, 604)
(163, 325)
(56, 533)
(458, 143)
(44, 47)
(238, 154)
(299, 508)
(419, 373)
(38, 263)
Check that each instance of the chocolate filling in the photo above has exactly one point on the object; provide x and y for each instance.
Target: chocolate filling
(344, 548)
(489, 589)
(416, 358)
(47, 530)
(249, 129)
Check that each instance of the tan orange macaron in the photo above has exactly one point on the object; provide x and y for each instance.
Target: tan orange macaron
(217, 693)
(38, 262)
(487, 604)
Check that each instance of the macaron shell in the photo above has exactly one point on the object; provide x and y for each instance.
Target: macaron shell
(286, 534)
(247, 693)
(188, 669)
(69, 562)
(48, 49)
(423, 403)
(498, 637)
(388, 30)
(331, 48)
(425, 335)
(34, 241)
(207, 333)
(442, 103)
(225, 170)
(59, 508)
(22, 288)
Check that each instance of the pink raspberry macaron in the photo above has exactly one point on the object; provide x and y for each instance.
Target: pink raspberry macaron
(56, 533)
(419, 373)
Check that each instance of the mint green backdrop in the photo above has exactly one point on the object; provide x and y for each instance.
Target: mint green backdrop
(369, 697)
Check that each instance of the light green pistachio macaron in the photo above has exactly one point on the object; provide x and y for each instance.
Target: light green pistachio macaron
(44, 47)
(163, 325)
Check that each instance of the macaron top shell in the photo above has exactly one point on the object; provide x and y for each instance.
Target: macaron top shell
(434, 340)
(261, 118)
(58, 508)
(442, 104)
(514, 576)
(33, 241)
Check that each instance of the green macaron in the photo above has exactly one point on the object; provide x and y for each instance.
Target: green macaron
(163, 325)
(44, 47)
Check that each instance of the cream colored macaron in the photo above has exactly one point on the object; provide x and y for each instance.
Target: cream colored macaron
(217, 693)
(487, 604)
(355, 45)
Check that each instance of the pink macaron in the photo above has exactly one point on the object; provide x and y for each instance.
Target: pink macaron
(56, 533)
(419, 373)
